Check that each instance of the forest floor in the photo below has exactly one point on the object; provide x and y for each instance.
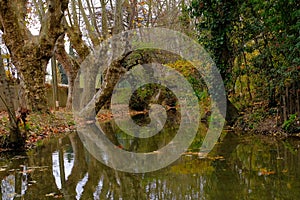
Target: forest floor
(39, 126)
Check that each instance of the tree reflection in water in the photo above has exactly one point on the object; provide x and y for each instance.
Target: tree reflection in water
(8, 187)
(237, 168)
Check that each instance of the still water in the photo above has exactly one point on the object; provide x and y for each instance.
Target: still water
(239, 167)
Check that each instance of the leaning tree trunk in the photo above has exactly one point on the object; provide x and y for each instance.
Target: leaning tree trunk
(70, 65)
(15, 138)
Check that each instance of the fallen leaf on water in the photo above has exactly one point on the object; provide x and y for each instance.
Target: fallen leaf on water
(50, 194)
(265, 172)
(2, 169)
(58, 196)
(32, 182)
(216, 158)
(199, 154)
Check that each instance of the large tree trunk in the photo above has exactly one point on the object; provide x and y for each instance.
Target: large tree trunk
(30, 54)
(115, 70)
(75, 36)
(33, 73)
(113, 74)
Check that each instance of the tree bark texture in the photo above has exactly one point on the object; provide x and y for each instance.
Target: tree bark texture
(30, 54)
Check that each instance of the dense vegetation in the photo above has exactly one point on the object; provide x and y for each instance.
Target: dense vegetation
(255, 44)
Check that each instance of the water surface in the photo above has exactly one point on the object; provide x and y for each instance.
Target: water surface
(239, 167)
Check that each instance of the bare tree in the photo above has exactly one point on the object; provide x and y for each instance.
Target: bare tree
(87, 26)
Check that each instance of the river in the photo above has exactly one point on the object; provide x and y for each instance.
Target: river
(239, 167)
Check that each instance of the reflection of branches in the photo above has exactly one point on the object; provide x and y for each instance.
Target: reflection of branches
(114, 184)
(117, 185)
(109, 132)
(46, 181)
(79, 169)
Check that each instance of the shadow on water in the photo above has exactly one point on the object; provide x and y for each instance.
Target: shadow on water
(248, 167)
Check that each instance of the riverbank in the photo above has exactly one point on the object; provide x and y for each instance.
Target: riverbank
(256, 120)
(38, 127)
(259, 119)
